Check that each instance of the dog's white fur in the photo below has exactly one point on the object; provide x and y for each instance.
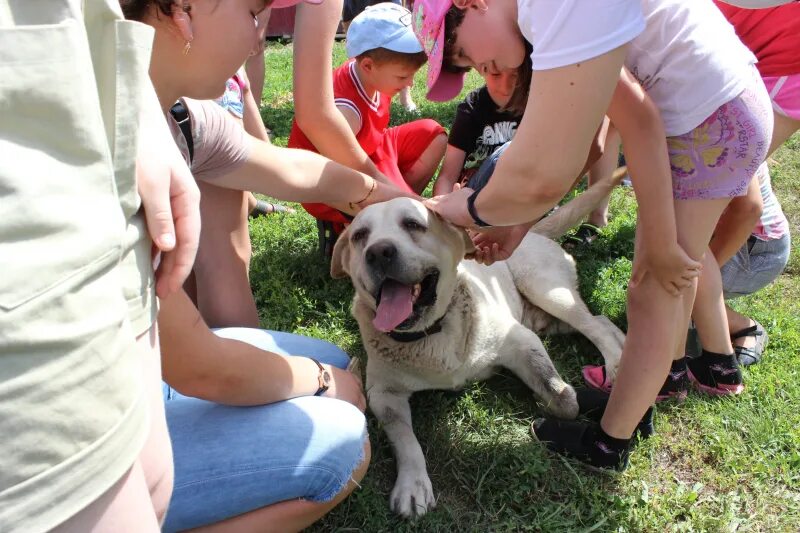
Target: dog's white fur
(491, 316)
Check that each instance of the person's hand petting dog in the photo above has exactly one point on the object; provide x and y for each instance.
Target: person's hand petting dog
(498, 243)
(491, 244)
(453, 206)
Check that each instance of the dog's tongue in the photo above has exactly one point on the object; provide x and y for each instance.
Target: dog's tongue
(395, 306)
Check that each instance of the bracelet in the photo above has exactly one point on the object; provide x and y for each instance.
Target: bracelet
(323, 380)
(371, 190)
(474, 214)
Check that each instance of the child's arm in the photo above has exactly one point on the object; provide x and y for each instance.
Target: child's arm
(315, 112)
(303, 176)
(198, 363)
(737, 222)
(451, 168)
(565, 107)
(639, 124)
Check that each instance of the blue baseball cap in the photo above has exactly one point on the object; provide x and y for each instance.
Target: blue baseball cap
(385, 25)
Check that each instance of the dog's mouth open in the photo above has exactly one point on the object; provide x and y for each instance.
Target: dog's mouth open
(399, 304)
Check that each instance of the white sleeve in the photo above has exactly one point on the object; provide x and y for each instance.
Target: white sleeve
(757, 4)
(564, 32)
(345, 103)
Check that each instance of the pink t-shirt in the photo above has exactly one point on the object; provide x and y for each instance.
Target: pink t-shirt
(220, 143)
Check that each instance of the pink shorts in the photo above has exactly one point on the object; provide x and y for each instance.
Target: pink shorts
(785, 94)
(402, 146)
(719, 157)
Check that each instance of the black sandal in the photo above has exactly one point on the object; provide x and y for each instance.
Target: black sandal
(751, 356)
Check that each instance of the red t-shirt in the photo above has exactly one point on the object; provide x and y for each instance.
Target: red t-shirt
(773, 34)
(348, 92)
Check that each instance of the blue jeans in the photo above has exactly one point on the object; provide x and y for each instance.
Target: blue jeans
(757, 264)
(479, 180)
(231, 460)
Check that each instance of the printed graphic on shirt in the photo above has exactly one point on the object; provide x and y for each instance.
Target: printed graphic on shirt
(493, 136)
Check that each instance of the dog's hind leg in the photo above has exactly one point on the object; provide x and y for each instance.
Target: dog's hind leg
(523, 353)
(564, 303)
(412, 494)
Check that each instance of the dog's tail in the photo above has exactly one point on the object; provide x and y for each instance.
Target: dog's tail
(573, 212)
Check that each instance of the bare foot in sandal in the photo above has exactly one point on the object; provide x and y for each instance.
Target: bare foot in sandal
(748, 336)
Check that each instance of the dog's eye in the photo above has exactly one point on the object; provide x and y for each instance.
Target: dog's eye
(359, 235)
(412, 225)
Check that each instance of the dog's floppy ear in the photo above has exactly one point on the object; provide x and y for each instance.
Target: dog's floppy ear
(341, 256)
(469, 246)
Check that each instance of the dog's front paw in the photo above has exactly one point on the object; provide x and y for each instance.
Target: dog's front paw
(564, 404)
(412, 495)
(612, 365)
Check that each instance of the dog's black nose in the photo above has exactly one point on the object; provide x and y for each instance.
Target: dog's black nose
(380, 255)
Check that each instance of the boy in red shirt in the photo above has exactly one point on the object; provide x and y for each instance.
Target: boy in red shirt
(385, 54)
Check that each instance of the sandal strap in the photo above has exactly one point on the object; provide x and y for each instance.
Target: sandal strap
(747, 356)
(751, 331)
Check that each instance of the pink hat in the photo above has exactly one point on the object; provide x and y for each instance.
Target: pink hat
(277, 4)
(428, 21)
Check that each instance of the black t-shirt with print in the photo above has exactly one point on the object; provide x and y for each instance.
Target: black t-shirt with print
(479, 127)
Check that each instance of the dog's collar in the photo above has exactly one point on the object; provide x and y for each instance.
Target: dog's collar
(411, 336)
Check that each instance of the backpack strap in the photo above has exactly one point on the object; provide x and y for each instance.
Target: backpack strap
(181, 116)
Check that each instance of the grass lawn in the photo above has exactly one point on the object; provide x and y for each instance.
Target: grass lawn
(714, 465)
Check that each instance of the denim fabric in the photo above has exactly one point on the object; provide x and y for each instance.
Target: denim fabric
(231, 460)
(479, 180)
(757, 264)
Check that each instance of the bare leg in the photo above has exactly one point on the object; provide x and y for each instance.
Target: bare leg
(406, 101)
(601, 170)
(292, 515)
(737, 222)
(251, 202)
(422, 171)
(657, 324)
(709, 310)
(222, 267)
(784, 128)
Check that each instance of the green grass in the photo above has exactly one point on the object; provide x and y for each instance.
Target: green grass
(714, 465)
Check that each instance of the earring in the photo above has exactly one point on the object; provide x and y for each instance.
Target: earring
(187, 47)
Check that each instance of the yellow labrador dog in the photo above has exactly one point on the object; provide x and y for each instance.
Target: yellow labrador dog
(430, 320)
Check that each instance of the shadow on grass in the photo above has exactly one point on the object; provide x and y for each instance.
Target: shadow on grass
(488, 474)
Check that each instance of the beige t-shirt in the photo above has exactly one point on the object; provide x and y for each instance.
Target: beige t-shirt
(72, 413)
(220, 144)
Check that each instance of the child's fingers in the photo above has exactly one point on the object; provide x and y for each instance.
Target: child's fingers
(636, 275)
(671, 288)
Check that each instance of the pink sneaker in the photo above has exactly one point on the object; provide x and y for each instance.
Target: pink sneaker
(675, 386)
